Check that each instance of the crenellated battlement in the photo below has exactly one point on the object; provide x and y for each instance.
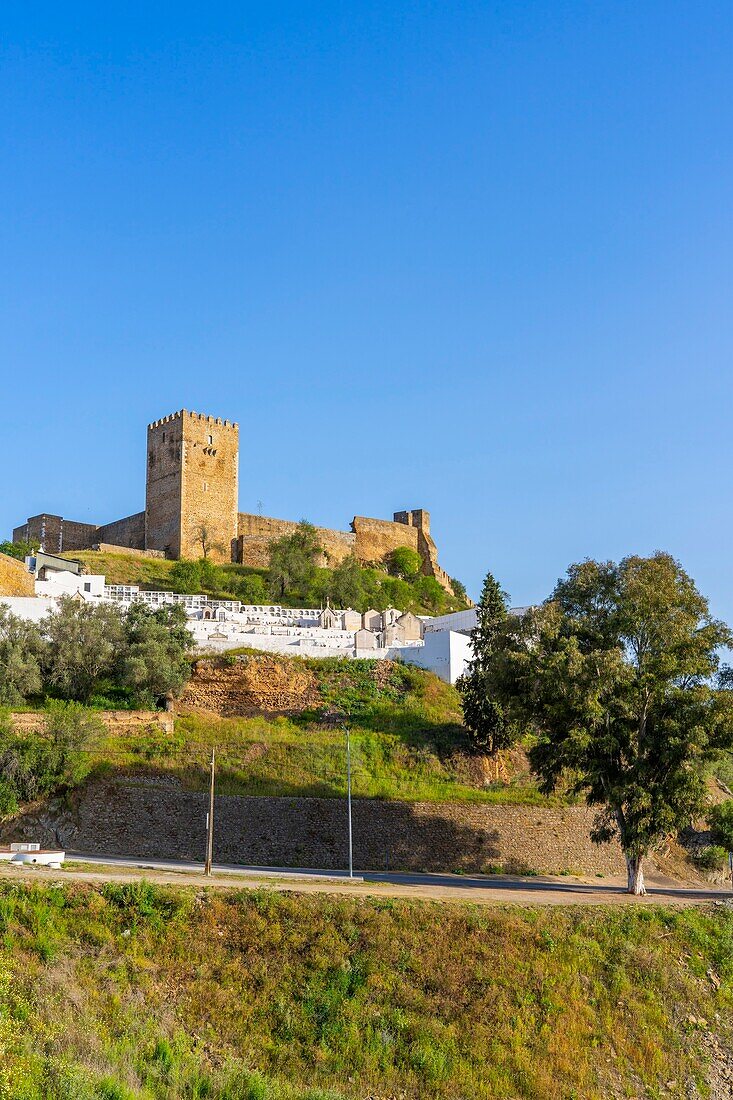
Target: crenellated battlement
(166, 419)
(216, 421)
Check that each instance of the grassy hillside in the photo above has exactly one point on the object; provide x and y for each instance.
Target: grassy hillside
(131, 992)
(242, 582)
(265, 714)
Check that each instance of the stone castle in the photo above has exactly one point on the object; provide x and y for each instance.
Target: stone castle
(191, 508)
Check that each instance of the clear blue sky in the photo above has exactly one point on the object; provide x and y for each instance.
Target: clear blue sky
(471, 257)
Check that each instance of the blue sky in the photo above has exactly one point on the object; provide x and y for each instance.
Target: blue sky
(471, 257)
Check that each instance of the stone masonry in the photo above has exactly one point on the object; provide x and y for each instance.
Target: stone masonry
(155, 816)
(191, 504)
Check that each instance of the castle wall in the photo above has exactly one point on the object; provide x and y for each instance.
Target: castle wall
(377, 537)
(127, 532)
(255, 533)
(370, 540)
(55, 533)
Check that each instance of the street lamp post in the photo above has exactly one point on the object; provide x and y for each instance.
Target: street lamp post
(336, 720)
(210, 819)
(348, 799)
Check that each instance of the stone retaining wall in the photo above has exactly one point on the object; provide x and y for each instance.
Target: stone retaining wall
(156, 817)
(118, 722)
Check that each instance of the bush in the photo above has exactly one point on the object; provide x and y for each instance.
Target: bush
(404, 562)
(720, 820)
(712, 858)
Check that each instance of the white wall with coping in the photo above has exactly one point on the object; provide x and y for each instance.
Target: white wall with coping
(445, 652)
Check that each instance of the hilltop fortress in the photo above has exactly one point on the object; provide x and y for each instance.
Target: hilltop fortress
(192, 498)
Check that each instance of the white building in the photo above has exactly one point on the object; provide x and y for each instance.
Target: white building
(440, 645)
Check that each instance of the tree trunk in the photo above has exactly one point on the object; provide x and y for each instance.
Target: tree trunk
(635, 876)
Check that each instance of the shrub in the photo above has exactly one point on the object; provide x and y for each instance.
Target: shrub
(404, 562)
(720, 820)
(712, 858)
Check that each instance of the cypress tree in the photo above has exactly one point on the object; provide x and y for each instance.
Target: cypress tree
(485, 720)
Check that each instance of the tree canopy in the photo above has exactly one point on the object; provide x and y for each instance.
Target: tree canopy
(616, 674)
(293, 561)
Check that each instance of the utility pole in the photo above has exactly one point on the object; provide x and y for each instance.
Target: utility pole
(348, 799)
(210, 820)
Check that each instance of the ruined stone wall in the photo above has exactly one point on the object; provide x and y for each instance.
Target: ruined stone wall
(255, 533)
(132, 551)
(15, 580)
(155, 817)
(118, 722)
(129, 532)
(369, 539)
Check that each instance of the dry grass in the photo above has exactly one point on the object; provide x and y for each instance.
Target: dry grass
(172, 993)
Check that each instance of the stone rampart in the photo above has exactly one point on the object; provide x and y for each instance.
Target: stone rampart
(255, 533)
(128, 532)
(155, 817)
(375, 538)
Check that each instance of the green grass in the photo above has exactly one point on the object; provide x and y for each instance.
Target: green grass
(406, 737)
(140, 992)
(150, 573)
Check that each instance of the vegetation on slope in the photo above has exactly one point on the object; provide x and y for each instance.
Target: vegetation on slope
(132, 992)
(265, 715)
(348, 585)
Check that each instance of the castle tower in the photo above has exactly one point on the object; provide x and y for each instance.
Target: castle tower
(191, 496)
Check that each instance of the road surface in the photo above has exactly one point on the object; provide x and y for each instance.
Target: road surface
(482, 889)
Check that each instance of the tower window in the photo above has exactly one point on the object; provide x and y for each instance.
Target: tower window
(164, 437)
(211, 440)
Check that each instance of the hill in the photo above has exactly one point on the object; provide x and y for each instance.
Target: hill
(265, 715)
(348, 585)
(135, 992)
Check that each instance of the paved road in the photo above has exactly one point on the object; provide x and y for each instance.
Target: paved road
(480, 888)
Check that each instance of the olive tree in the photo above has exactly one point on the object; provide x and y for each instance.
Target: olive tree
(85, 640)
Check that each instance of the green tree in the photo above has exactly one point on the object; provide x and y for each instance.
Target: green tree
(249, 589)
(293, 562)
(37, 765)
(85, 641)
(347, 587)
(485, 718)
(404, 562)
(185, 577)
(430, 593)
(204, 536)
(459, 590)
(153, 662)
(616, 672)
(720, 820)
(19, 550)
(21, 648)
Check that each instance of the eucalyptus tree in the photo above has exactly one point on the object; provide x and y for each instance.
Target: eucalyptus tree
(617, 676)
